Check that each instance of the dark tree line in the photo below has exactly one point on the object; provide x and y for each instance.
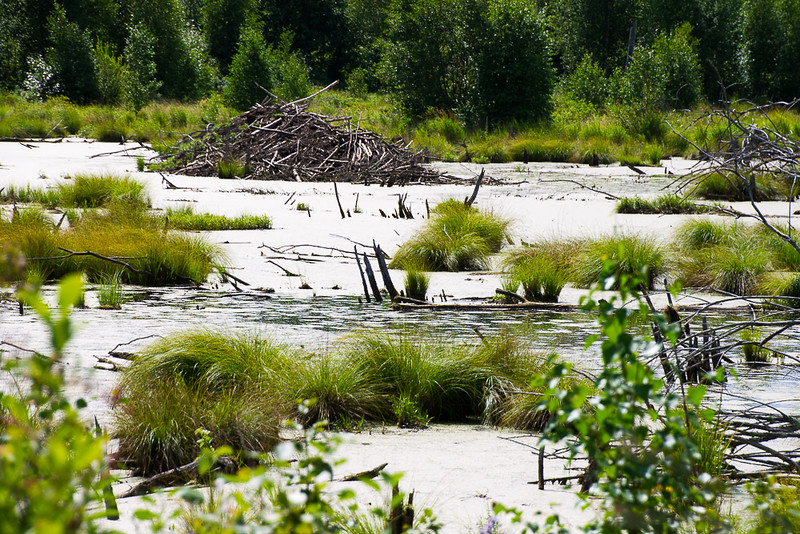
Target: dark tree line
(485, 60)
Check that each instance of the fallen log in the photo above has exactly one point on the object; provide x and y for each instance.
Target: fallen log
(179, 475)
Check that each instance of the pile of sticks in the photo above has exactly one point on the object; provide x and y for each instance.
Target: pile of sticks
(287, 142)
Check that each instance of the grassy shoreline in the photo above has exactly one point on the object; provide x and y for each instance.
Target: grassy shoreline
(570, 135)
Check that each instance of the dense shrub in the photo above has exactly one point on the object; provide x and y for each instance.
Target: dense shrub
(71, 57)
(514, 69)
(250, 66)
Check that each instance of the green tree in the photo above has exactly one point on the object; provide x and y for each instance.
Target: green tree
(112, 75)
(514, 67)
(424, 64)
(319, 28)
(249, 69)
(13, 32)
(72, 57)
(596, 27)
(222, 21)
(140, 60)
(666, 75)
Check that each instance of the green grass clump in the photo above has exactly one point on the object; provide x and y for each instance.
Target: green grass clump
(230, 386)
(721, 186)
(541, 274)
(120, 230)
(631, 255)
(109, 294)
(185, 218)
(455, 238)
(83, 191)
(729, 257)
(416, 284)
(662, 205)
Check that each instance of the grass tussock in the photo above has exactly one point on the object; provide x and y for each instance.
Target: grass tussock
(416, 284)
(230, 386)
(631, 255)
(541, 270)
(83, 191)
(121, 231)
(722, 186)
(455, 238)
(238, 388)
(185, 218)
(666, 204)
(735, 258)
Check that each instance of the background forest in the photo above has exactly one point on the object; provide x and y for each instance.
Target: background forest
(486, 63)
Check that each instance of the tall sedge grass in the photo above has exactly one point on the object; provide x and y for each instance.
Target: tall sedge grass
(231, 386)
(416, 284)
(83, 191)
(455, 238)
(160, 122)
(631, 255)
(666, 204)
(185, 218)
(109, 293)
(541, 273)
(121, 231)
(731, 257)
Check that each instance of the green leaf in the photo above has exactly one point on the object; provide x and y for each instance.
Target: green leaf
(696, 394)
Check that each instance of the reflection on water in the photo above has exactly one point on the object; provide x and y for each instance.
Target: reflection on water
(317, 324)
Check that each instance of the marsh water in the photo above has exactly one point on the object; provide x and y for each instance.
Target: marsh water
(544, 199)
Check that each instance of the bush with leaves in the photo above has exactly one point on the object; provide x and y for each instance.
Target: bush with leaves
(640, 437)
(72, 57)
(139, 55)
(250, 68)
(53, 474)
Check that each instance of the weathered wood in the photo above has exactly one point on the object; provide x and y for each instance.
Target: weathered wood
(178, 475)
(371, 277)
(510, 295)
(339, 202)
(361, 272)
(369, 473)
(387, 279)
(468, 202)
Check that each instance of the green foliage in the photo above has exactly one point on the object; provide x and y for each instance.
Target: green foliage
(52, 467)
(72, 57)
(290, 70)
(587, 83)
(638, 436)
(112, 75)
(433, 43)
(514, 69)
(455, 238)
(293, 495)
(249, 66)
(770, 32)
(221, 20)
(185, 218)
(668, 71)
(140, 56)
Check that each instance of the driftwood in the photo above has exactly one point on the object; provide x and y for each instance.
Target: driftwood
(387, 279)
(287, 142)
(178, 475)
(361, 272)
(369, 473)
(372, 282)
(510, 295)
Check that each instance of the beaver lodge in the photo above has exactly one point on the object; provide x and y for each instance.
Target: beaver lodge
(287, 142)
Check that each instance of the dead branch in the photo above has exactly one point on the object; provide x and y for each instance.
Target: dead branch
(584, 186)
